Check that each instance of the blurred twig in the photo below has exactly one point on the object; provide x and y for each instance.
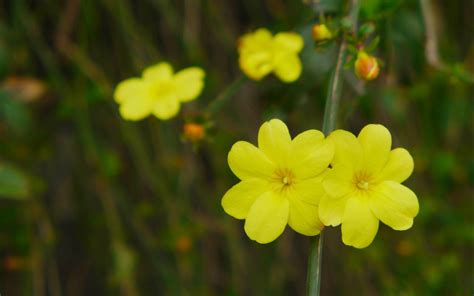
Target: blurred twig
(431, 44)
(69, 50)
(433, 58)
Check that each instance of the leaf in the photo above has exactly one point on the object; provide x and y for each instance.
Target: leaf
(15, 114)
(352, 49)
(13, 183)
(366, 29)
(373, 44)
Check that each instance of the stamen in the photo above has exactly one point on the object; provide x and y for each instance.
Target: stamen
(364, 185)
(284, 177)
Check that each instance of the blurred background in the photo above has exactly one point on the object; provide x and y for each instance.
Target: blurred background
(93, 205)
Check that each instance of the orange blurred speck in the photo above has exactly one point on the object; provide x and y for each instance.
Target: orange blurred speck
(26, 89)
(405, 248)
(183, 244)
(194, 132)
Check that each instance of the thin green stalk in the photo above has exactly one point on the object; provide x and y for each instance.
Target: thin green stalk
(329, 124)
(225, 95)
(334, 92)
(314, 265)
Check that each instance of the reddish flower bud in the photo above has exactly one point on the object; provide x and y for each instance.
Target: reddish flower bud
(366, 66)
(194, 132)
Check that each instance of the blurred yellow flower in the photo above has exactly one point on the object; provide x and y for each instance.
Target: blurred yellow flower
(158, 92)
(366, 66)
(363, 186)
(280, 181)
(320, 32)
(261, 53)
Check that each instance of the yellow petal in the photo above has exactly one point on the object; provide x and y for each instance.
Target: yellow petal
(130, 89)
(262, 36)
(274, 140)
(159, 72)
(166, 107)
(376, 143)
(347, 150)
(247, 162)
(331, 210)
(238, 200)
(260, 40)
(398, 167)
(189, 83)
(255, 54)
(310, 190)
(134, 97)
(359, 225)
(338, 181)
(394, 204)
(310, 154)
(267, 218)
(288, 41)
(303, 216)
(136, 110)
(287, 67)
(256, 65)
(306, 139)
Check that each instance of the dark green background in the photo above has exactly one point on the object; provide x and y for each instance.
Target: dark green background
(94, 205)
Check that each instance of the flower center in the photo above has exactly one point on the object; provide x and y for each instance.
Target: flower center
(363, 185)
(163, 89)
(284, 178)
(362, 180)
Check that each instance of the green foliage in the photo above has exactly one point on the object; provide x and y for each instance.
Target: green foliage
(13, 183)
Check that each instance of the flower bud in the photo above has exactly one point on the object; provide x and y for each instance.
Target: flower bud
(366, 66)
(194, 132)
(320, 32)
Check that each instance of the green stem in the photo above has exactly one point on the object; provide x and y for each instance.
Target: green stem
(225, 95)
(329, 124)
(334, 92)
(314, 265)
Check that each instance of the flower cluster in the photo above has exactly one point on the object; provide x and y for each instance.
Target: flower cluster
(160, 92)
(286, 181)
(307, 182)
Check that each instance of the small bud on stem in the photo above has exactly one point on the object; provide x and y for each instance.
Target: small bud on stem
(366, 66)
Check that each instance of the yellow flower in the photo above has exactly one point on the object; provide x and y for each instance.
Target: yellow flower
(158, 92)
(280, 181)
(320, 32)
(260, 53)
(366, 66)
(364, 187)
